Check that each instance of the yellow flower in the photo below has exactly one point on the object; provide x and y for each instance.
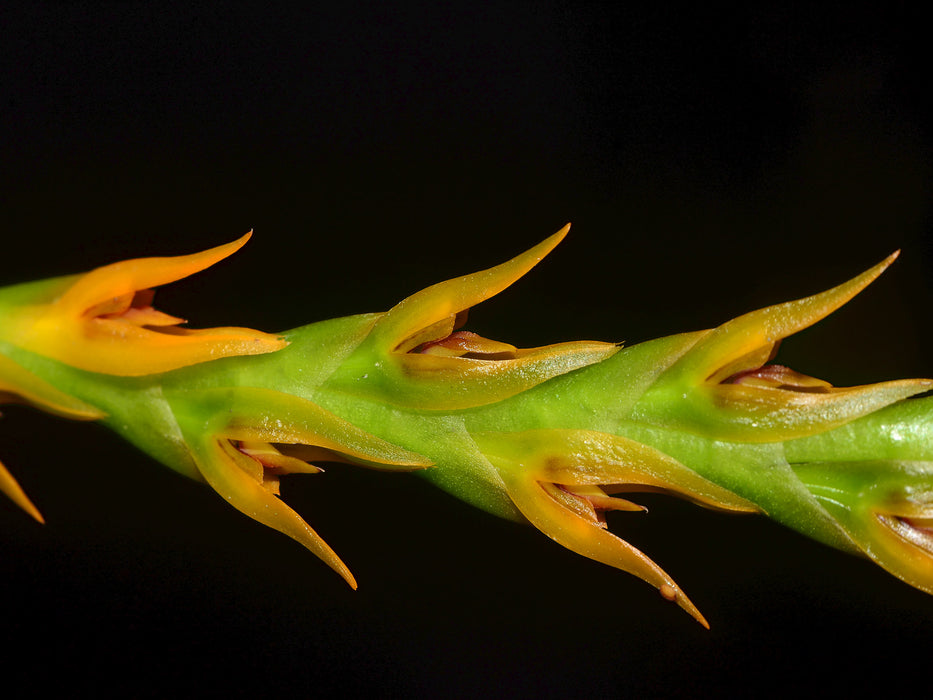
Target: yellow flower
(724, 386)
(560, 480)
(103, 321)
(422, 361)
(243, 438)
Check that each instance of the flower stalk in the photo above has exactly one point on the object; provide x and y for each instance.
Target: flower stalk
(555, 436)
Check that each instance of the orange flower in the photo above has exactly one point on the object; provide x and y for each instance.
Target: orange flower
(104, 322)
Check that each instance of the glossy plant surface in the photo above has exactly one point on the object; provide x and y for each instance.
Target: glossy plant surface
(556, 436)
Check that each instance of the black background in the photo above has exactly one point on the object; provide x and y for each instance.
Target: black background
(710, 162)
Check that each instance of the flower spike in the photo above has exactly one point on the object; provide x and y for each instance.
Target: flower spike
(555, 436)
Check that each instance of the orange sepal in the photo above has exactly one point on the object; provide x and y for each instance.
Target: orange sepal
(723, 386)
(243, 438)
(103, 321)
(560, 480)
(423, 361)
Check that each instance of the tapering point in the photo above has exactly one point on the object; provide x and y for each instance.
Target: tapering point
(668, 592)
(14, 491)
(348, 577)
(546, 246)
(239, 242)
(562, 232)
(34, 512)
(876, 271)
(336, 563)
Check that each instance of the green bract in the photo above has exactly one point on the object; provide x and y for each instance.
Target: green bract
(546, 435)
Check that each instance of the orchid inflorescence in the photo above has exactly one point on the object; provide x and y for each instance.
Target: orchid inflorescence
(549, 435)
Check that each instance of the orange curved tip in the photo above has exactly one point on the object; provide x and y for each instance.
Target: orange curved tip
(11, 488)
(714, 357)
(442, 302)
(130, 276)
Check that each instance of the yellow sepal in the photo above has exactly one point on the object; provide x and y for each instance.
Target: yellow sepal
(231, 473)
(253, 435)
(440, 303)
(739, 344)
(723, 386)
(426, 362)
(560, 481)
(103, 321)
